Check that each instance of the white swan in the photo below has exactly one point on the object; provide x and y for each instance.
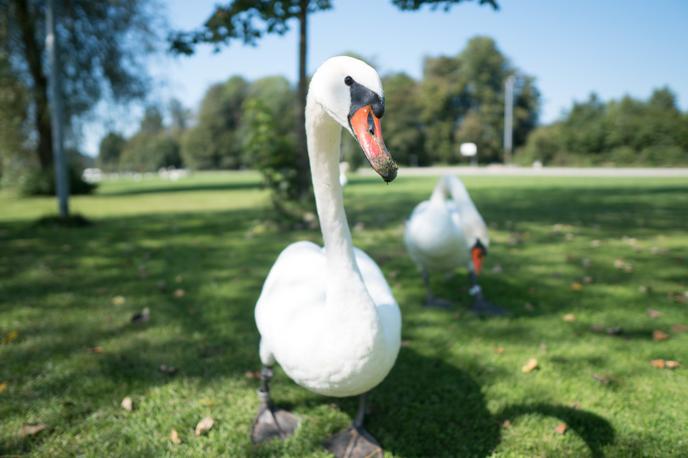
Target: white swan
(445, 233)
(327, 315)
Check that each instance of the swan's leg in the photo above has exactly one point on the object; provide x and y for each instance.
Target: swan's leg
(481, 306)
(355, 441)
(431, 300)
(271, 423)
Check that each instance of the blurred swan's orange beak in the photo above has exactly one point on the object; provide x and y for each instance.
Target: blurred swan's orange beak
(477, 254)
(366, 127)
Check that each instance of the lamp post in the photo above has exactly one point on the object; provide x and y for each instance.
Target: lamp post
(508, 117)
(56, 112)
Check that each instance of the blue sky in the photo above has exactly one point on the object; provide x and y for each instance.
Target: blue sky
(572, 48)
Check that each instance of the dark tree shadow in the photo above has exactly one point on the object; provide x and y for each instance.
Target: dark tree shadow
(427, 407)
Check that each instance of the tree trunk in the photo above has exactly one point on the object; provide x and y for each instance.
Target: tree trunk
(39, 92)
(302, 153)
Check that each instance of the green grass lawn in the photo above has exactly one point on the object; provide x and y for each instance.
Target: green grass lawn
(195, 252)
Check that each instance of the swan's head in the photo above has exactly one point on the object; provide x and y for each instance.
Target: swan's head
(350, 91)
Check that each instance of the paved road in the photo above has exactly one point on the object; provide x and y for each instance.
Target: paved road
(500, 170)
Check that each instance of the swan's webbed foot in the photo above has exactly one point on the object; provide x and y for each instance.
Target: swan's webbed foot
(432, 301)
(354, 442)
(437, 302)
(271, 423)
(483, 307)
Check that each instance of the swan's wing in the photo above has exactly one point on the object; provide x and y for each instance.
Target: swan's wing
(434, 237)
(374, 279)
(379, 290)
(296, 281)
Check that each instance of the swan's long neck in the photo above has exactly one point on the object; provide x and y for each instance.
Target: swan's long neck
(324, 136)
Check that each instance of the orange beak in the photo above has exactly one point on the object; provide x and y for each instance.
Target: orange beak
(366, 127)
(477, 254)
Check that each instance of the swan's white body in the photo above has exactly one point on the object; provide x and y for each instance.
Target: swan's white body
(441, 231)
(327, 315)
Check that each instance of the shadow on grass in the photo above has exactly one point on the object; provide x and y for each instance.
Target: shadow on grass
(427, 407)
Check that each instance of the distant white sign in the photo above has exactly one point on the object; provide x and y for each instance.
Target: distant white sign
(469, 149)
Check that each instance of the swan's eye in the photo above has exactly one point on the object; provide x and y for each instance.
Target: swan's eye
(348, 81)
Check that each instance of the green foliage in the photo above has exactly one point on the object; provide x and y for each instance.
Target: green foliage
(215, 141)
(152, 147)
(38, 182)
(445, 5)
(246, 21)
(272, 154)
(403, 130)
(620, 132)
(102, 49)
(463, 101)
(110, 150)
(148, 152)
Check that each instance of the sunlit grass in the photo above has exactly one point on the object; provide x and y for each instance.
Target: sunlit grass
(191, 253)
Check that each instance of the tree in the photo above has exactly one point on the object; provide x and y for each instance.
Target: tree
(152, 147)
(626, 131)
(110, 150)
(403, 129)
(249, 20)
(102, 48)
(463, 100)
(215, 141)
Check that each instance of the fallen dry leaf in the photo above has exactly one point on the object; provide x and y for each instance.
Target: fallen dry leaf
(530, 366)
(670, 364)
(506, 424)
(679, 328)
(169, 370)
(603, 379)
(652, 313)
(10, 337)
(127, 404)
(561, 428)
(659, 335)
(118, 300)
(31, 429)
(576, 286)
(96, 349)
(3, 387)
(174, 437)
(179, 292)
(204, 425)
(499, 350)
(254, 375)
(658, 363)
(569, 317)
